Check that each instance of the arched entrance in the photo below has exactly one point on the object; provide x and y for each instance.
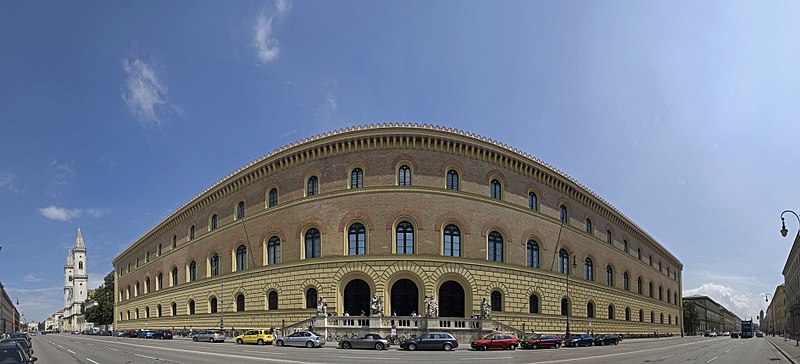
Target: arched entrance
(405, 298)
(356, 297)
(451, 300)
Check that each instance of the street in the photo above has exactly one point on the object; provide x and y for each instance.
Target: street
(65, 348)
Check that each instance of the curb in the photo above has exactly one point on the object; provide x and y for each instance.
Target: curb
(784, 353)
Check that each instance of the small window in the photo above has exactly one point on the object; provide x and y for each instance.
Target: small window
(452, 241)
(312, 243)
(174, 309)
(240, 210)
(191, 232)
(639, 285)
(214, 263)
(159, 250)
(191, 307)
(563, 262)
(564, 215)
(174, 241)
(651, 260)
(192, 271)
(625, 245)
(158, 309)
(175, 276)
(641, 315)
(564, 306)
(496, 190)
(240, 303)
(213, 224)
(213, 305)
(626, 281)
(404, 176)
(452, 180)
(404, 235)
(273, 197)
(274, 250)
(533, 254)
(146, 259)
(357, 178)
(241, 258)
(610, 312)
(311, 298)
(609, 238)
(312, 186)
(627, 314)
(534, 303)
(588, 273)
(609, 276)
(589, 226)
(160, 281)
(639, 253)
(495, 248)
(497, 301)
(650, 289)
(590, 310)
(533, 201)
(356, 240)
(272, 300)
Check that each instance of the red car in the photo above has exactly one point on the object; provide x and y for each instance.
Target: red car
(536, 341)
(496, 341)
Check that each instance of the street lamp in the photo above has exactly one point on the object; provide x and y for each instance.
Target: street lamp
(772, 320)
(793, 319)
(569, 304)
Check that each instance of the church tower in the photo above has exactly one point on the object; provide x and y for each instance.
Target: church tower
(68, 279)
(80, 281)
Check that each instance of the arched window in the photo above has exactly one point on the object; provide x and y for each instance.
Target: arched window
(240, 210)
(136, 290)
(214, 263)
(625, 245)
(609, 238)
(191, 307)
(609, 276)
(213, 224)
(588, 273)
(159, 250)
(564, 215)
(659, 266)
(590, 310)
(311, 298)
(174, 276)
(639, 253)
(452, 241)
(641, 315)
(675, 300)
(174, 309)
(192, 271)
(174, 241)
(534, 303)
(80, 264)
(240, 303)
(650, 289)
(405, 238)
(272, 300)
(191, 232)
(160, 282)
(610, 312)
(564, 306)
(147, 285)
(669, 296)
(241, 258)
(669, 319)
(137, 313)
(639, 285)
(404, 176)
(652, 317)
(563, 261)
(158, 311)
(273, 197)
(495, 249)
(213, 305)
(661, 318)
(496, 190)
(627, 313)
(356, 240)
(533, 201)
(312, 186)
(660, 297)
(357, 178)
(452, 180)
(533, 254)
(274, 250)
(626, 284)
(312, 244)
(588, 226)
(497, 301)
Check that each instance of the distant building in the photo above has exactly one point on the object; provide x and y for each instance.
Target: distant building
(7, 309)
(75, 286)
(775, 319)
(713, 316)
(791, 279)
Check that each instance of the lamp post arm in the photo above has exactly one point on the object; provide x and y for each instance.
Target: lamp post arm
(793, 213)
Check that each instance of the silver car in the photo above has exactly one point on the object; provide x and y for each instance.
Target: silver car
(368, 341)
(308, 339)
(210, 336)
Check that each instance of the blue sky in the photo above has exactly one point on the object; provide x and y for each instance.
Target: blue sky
(683, 115)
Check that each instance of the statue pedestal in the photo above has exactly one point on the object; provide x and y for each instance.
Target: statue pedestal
(374, 322)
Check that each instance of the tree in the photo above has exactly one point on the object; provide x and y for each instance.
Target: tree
(691, 322)
(103, 312)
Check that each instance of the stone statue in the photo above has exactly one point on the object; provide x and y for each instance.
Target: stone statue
(486, 310)
(322, 307)
(376, 306)
(432, 308)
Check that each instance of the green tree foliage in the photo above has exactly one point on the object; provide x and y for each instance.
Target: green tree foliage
(691, 322)
(103, 312)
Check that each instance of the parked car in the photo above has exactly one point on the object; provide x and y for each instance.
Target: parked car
(259, 337)
(580, 340)
(146, 334)
(13, 353)
(431, 341)
(368, 341)
(162, 334)
(209, 335)
(535, 341)
(759, 334)
(606, 339)
(308, 339)
(21, 342)
(495, 340)
(735, 335)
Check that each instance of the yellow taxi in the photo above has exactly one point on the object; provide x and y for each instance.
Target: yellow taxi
(259, 337)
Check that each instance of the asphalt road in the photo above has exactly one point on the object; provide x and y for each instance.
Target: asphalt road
(66, 349)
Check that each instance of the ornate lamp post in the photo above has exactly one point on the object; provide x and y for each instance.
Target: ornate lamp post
(793, 308)
(569, 304)
(772, 319)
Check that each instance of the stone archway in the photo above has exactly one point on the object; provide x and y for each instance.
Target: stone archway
(356, 297)
(405, 297)
(451, 299)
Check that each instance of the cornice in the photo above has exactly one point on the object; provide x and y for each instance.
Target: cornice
(400, 136)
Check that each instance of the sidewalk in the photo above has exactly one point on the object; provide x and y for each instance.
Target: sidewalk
(788, 348)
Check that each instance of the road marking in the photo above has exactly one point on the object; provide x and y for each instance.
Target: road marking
(147, 357)
(617, 354)
(60, 346)
(71, 351)
(712, 359)
(499, 357)
(356, 357)
(92, 361)
(664, 357)
(726, 351)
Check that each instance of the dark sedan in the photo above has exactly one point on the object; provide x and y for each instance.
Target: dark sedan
(13, 353)
(607, 339)
(21, 342)
(580, 340)
(431, 341)
(536, 341)
(162, 334)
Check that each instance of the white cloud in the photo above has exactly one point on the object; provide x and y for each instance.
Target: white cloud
(744, 304)
(266, 47)
(96, 213)
(283, 6)
(59, 213)
(7, 183)
(144, 93)
(61, 176)
(31, 278)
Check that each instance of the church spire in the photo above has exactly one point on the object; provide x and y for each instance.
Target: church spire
(79, 241)
(69, 258)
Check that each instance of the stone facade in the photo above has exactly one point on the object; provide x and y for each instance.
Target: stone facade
(791, 279)
(775, 319)
(209, 225)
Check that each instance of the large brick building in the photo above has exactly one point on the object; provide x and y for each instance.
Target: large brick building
(405, 213)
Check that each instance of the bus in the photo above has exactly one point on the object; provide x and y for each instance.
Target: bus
(747, 329)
